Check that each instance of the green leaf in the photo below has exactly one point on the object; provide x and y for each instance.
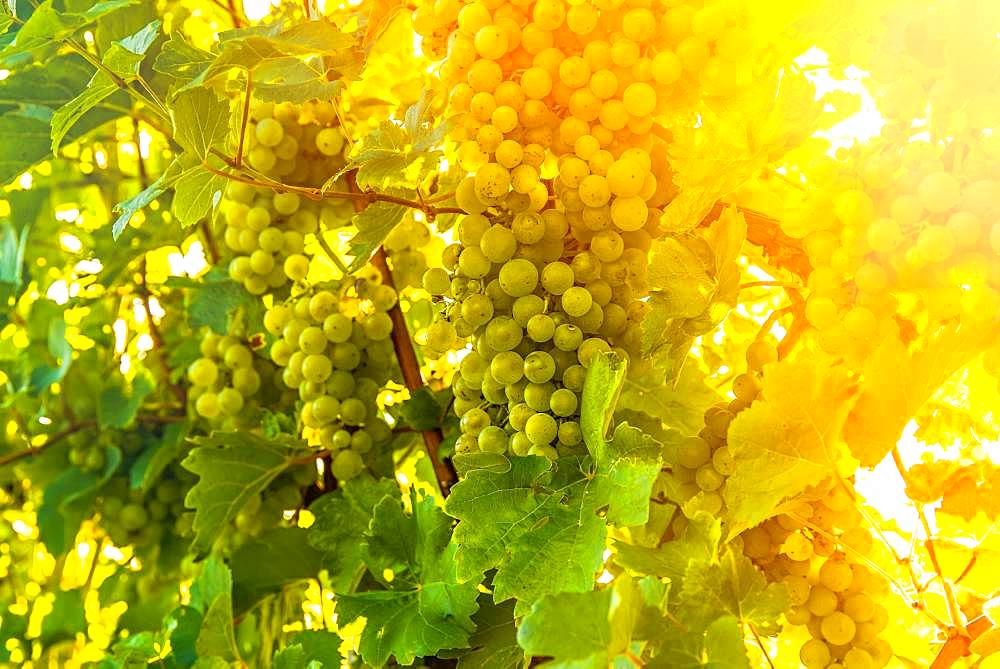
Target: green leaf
(11, 627)
(67, 501)
(155, 458)
(680, 405)
(494, 643)
(144, 198)
(424, 608)
(421, 411)
(196, 194)
(388, 157)
(12, 246)
(48, 24)
(180, 59)
(211, 597)
(134, 650)
(628, 464)
(232, 467)
(531, 520)
(214, 300)
(270, 561)
(44, 376)
(311, 646)
(679, 275)
(342, 516)
(65, 620)
(123, 59)
(201, 121)
(117, 405)
(720, 646)
(374, 224)
(28, 142)
(569, 626)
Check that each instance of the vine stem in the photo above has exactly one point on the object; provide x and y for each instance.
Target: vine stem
(238, 161)
(407, 358)
(949, 595)
(73, 429)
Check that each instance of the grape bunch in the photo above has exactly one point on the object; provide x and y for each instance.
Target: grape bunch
(817, 551)
(267, 231)
(703, 461)
(132, 517)
(403, 247)
(226, 377)
(333, 345)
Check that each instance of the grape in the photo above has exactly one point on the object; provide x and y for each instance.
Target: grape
(798, 548)
(507, 367)
(836, 575)
(814, 654)
(822, 601)
(694, 452)
(838, 628)
(708, 479)
(207, 405)
(541, 429)
(567, 337)
(518, 277)
(563, 402)
(203, 372)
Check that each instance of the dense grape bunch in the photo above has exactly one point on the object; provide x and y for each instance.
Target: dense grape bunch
(818, 551)
(224, 380)
(333, 345)
(267, 230)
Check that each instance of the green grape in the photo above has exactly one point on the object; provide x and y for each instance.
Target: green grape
(346, 465)
(576, 301)
(519, 415)
(518, 277)
(540, 328)
(477, 309)
(723, 462)
(207, 405)
(475, 421)
(353, 411)
(377, 326)
(296, 267)
(269, 132)
(822, 601)
(590, 348)
(708, 479)
(541, 429)
(329, 141)
(538, 395)
(573, 377)
(341, 384)
(859, 607)
(567, 337)
(238, 356)
(694, 452)
(361, 442)
(527, 307)
(570, 433)
(203, 372)
(539, 367)
(133, 517)
(507, 367)
(436, 281)
(557, 277)
(563, 402)
(493, 439)
(838, 628)
(230, 401)
(503, 334)
(345, 356)
(798, 548)
(317, 368)
(498, 243)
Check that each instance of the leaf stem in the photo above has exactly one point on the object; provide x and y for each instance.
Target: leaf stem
(330, 253)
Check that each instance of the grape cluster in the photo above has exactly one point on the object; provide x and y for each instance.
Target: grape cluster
(132, 517)
(814, 551)
(334, 348)
(403, 247)
(267, 230)
(704, 461)
(226, 376)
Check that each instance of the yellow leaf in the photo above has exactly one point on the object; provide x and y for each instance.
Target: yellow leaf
(382, 12)
(789, 439)
(898, 382)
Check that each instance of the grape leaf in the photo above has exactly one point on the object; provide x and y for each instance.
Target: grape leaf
(196, 193)
(422, 411)
(342, 516)
(494, 643)
(680, 405)
(424, 607)
(123, 59)
(216, 637)
(66, 619)
(68, 500)
(201, 120)
(144, 198)
(374, 224)
(570, 626)
(232, 467)
(146, 468)
(315, 649)
(180, 59)
(628, 464)
(898, 382)
(115, 407)
(531, 521)
(214, 300)
(680, 275)
(787, 440)
(270, 561)
(719, 646)
(12, 246)
(47, 24)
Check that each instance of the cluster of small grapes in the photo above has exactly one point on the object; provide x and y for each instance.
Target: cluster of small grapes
(334, 348)
(536, 323)
(814, 550)
(267, 509)
(705, 460)
(267, 230)
(132, 517)
(905, 226)
(226, 376)
(403, 248)
(86, 452)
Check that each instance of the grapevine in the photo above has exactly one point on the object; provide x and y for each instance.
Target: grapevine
(477, 333)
